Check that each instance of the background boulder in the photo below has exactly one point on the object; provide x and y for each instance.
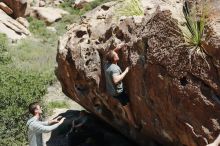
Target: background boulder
(47, 14)
(12, 28)
(18, 7)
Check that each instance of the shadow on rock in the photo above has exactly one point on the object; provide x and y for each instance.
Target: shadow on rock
(81, 128)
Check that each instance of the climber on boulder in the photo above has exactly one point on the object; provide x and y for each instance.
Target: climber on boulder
(114, 77)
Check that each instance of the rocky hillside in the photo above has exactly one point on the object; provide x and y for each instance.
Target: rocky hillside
(13, 16)
(174, 94)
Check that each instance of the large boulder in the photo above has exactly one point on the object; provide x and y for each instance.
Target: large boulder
(23, 21)
(12, 28)
(42, 3)
(80, 3)
(18, 7)
(47, 14)
(5, 8)
(174, 95)
(58, 2)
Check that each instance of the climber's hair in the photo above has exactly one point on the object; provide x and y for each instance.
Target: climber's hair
(32, 107)
(110, 56)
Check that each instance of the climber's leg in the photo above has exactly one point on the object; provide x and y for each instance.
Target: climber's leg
(124, 100)
(129, 114)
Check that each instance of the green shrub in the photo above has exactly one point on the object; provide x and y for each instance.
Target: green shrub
(36, 26)
(32, 54)
(55, 104)
(93, 5)
(58, 104)
(18, 89)
(39, 29)
(196, 20)
(66, 20)
(130, 8)
(67, 5)
(4, 56)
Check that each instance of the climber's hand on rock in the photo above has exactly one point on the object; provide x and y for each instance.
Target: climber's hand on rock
(127, 69)
(56, 120)
(61, 121)
(121, 46)
(59, 118)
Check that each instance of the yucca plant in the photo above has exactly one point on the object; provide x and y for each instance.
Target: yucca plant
(130, 8)
(196, 22)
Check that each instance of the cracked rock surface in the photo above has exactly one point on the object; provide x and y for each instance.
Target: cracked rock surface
(174, 95)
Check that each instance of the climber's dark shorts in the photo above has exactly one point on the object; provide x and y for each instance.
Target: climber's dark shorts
(123, 98)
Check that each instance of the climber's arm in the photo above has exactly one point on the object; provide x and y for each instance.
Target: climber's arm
(118, 77)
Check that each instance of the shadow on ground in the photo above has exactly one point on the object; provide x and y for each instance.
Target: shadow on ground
(81, 128)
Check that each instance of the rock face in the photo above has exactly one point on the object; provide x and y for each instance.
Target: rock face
(174, 96)
(23, 21)
(12, 28)
(18, 7)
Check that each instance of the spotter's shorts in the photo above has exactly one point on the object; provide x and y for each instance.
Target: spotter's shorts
(123, 98)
